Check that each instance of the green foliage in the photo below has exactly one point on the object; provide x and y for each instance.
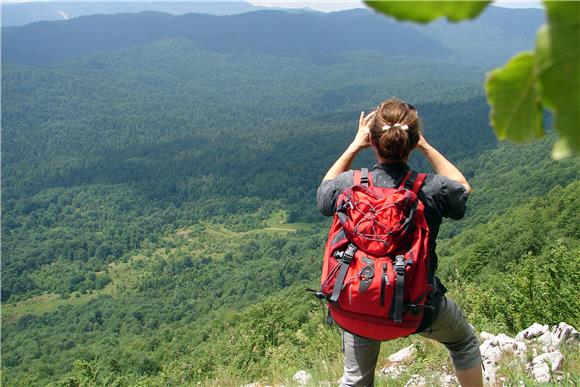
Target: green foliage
(511, 111)
(506, 177)
(426, 11)
(530, 228)
(548, 78)
(536, 288)
(557, 63)
(100, 189)
(521, 267)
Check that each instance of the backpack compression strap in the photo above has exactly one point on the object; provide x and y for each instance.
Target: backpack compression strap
(363, 178)
(412, 181)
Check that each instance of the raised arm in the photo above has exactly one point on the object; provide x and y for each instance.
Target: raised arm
(440, 164)
(360, 142)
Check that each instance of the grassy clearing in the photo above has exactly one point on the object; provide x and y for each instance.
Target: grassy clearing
(125, 275)
(49, 302)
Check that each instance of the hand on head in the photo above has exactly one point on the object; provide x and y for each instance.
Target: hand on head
(362, 139)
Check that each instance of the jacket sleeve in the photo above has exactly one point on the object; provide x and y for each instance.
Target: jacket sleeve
(451, 198)
(329, 191)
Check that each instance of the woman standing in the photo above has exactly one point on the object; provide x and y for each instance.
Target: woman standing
(393, 131)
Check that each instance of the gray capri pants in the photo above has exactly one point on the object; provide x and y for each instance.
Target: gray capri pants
(449, 328)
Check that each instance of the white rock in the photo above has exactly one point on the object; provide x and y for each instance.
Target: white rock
(393, 371)
(250, 385)
(549, 341)
(403, 354)
(494, 348)
(532, 331)
(542, 365)
(301, 377)
(416, 380)
(447, 380)
(564, 332)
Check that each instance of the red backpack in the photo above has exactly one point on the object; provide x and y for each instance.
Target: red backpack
(376, 262)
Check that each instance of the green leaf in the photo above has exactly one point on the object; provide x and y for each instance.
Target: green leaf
(426, 11)
(516, 113)
(558, 69)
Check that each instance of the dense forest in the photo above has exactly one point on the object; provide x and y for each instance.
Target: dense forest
(159, 219)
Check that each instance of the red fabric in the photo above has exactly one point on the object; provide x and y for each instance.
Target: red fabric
(375, 225)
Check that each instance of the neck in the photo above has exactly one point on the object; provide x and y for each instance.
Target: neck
(382, 160)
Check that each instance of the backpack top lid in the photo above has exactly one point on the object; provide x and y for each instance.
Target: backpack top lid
(378, 220)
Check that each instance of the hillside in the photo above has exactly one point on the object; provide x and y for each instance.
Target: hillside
(285, 332)
(159, 177)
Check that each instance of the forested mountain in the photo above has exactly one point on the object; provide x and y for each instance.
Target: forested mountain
(18, 14)
(159, 176)
(320, 36)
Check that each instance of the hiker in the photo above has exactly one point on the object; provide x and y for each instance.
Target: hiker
(393, 131)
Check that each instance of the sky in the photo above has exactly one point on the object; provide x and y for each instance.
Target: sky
(328, 5)
(333, 5)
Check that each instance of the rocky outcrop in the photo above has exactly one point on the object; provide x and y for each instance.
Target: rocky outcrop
(396, 366)
(543, 366)
(539, 341)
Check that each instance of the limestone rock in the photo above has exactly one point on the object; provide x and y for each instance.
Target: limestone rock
(403, 354)
(393, 371)
(549, 338)
(564, 332)
(302, 377)
(494, 348)
(447, 380)
(542, 365)
(416, 381)
(532, 331)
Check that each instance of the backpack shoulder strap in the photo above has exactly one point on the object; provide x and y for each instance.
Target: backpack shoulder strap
(419, 181)
(413, 181)
(363, 177)
(404, 179)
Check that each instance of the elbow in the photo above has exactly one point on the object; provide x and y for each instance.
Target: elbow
(324, 206)
(324, 210)
(467, 187)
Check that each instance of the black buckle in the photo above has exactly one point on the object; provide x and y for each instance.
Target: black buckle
(317, 293)
(400, 264)
(349, 253)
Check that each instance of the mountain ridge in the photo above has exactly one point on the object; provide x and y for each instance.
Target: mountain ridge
(315, 35)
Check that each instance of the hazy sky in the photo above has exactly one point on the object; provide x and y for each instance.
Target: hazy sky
(322, 5)
(333, 5)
